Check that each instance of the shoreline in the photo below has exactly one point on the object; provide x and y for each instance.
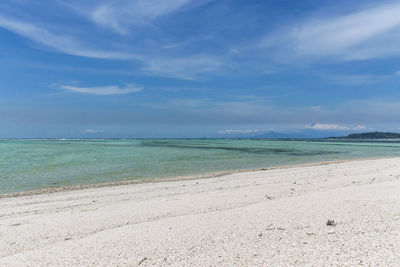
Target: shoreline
(52, 190)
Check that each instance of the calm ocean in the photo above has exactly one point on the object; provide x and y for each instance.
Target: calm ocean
(34, 164)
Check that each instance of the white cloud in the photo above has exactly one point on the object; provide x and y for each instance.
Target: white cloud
(371, 32)
(120, 15)
(324, 127)
(103, 90)
(247, 131)
(61, 43)
(188, 67)
(92, 131)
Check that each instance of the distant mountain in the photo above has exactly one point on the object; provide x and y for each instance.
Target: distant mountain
(370, 135)
(273, 135)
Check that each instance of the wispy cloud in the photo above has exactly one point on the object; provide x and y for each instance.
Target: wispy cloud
(104, 90)
(246, 131)
(188, 68)
(58, 42)
(183, 67)
(326, 127)
(371, 32)
(353, 78)
(121, 15)
(92, 131)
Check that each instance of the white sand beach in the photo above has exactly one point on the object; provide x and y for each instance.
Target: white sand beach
(274, 217)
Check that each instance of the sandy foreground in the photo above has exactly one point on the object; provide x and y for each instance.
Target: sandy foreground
(271, 217)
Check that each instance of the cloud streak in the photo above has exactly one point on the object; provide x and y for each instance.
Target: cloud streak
(182, 67)
(329, 127)
(188, 68)
(121, 15)
(104, 90)
(246, 131)
(61, 43)
(92, 131)
(371, 32)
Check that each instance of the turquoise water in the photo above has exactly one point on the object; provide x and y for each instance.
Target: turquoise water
(33, 164)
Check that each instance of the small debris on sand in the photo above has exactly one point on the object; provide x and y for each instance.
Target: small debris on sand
(142, 260)
(330, 223)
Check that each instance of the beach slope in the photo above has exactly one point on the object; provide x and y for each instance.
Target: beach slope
(274, 217)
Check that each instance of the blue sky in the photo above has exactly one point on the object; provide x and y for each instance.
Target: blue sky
(197, 68)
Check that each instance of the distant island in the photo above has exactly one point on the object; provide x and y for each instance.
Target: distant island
(370, 135)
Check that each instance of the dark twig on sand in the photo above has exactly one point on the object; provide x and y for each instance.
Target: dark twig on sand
(142, 260)
(331, 223)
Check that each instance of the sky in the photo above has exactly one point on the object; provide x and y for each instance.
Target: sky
(198, 68)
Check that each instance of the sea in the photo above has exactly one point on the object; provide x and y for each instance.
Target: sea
(36, 164)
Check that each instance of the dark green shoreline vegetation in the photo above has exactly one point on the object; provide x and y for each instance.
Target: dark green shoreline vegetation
(370, 135)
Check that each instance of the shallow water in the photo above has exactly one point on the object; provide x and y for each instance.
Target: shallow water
(34, 164)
